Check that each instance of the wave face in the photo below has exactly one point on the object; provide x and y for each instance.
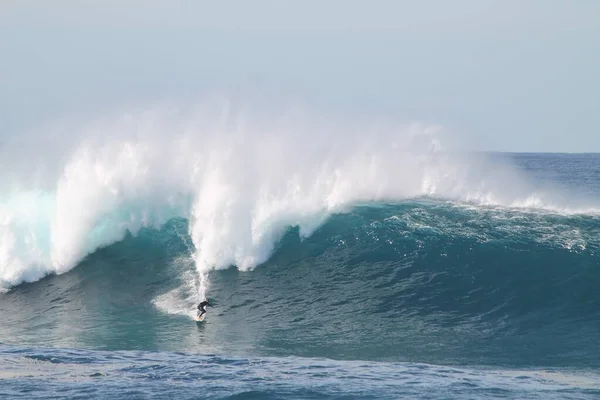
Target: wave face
(421, 281)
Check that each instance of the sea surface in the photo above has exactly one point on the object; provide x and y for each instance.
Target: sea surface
(485, 288)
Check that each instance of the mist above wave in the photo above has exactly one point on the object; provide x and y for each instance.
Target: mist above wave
(241, 177)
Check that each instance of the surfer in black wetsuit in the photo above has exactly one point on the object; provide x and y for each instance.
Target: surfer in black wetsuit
(202, 308)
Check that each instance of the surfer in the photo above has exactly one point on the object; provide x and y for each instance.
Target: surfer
(202, 308)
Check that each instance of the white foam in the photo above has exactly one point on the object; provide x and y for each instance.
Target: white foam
(183, 299)
(240, 177)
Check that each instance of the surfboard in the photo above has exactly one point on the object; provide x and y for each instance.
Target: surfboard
(200, 319)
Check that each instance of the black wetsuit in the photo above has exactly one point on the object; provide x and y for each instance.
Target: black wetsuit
(202, 308)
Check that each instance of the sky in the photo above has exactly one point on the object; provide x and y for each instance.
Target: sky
(508, 75)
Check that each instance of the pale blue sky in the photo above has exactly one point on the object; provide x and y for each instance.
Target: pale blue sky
(513, 75)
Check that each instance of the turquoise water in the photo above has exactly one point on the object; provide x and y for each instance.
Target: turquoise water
(423, 297)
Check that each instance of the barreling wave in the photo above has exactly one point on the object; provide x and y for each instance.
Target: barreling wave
(241, 178)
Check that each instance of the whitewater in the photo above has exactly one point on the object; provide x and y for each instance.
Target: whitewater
(241, 178)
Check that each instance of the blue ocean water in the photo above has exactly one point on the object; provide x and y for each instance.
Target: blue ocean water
(428, 297)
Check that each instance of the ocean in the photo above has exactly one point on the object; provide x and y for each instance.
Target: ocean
(370, 270)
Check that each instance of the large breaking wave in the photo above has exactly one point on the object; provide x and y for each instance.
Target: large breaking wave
(240, 177)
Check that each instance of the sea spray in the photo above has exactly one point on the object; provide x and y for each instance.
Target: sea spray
(241, 179)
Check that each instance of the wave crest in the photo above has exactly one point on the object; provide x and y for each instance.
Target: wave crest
(241, 178)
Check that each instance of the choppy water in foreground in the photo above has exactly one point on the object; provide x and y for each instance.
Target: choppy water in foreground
(91, 374)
